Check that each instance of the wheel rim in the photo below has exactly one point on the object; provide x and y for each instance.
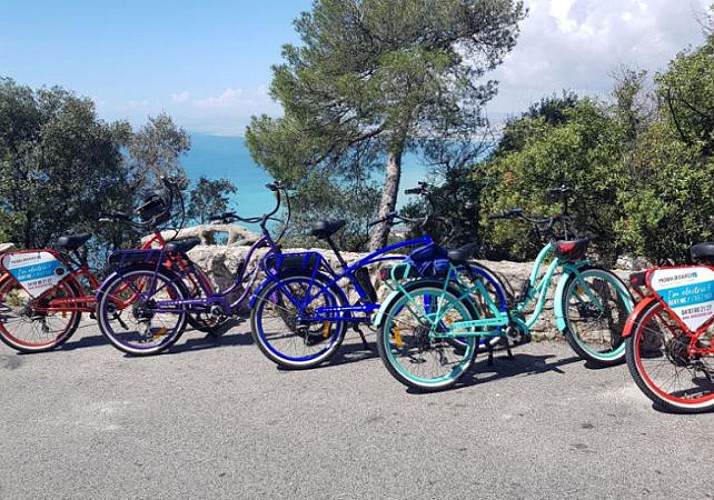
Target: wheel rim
(598, 331)
(27, 328)
(661, 361)
(134, 322)
(288, 336)
(424, 361)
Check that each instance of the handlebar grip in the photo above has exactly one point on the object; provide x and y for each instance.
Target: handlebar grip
(387, 217)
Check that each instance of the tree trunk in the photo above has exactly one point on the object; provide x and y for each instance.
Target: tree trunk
(380, 232)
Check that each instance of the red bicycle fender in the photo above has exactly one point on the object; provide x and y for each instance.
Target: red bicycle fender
(635, 314)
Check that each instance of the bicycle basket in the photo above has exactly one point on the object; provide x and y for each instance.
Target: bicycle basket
(284, 261)
(154, 209)
(429, 260)
(124, 258)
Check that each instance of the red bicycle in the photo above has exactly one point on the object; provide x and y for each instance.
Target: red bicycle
(43, 293)
(669, 334)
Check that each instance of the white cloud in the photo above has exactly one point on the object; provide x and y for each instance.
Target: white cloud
(181, 96)
(575, 45)
(229, 97)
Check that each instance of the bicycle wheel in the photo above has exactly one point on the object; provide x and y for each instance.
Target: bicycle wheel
(128, 315)
(405, 340)
(26, 325)
(289, 336)
(662, 366)
(594, 327)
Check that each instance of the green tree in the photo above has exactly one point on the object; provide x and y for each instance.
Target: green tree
(668, 204)
(154, 151)
(208, 198)
(581, 151)
(59, 164)
(372, 80)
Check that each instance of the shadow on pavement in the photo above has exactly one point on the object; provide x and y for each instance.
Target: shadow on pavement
(522, 364)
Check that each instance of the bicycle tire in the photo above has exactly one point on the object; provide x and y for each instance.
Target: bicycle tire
(315, 351)
(390, 332)
(656, 355)
(135, 342)
(14, 300)
(596, 345)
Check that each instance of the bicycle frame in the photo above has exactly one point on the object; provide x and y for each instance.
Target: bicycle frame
(493, 326)
(86, 302)
(211, 298)
(358, 312)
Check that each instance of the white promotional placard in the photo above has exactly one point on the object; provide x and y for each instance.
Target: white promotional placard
(688, 291)
(37, 272)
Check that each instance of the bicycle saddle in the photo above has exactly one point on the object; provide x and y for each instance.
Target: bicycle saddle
(462, 254)
(182, 246)
(702, 252)
(71, 242)
(571, 249)
(325, 228)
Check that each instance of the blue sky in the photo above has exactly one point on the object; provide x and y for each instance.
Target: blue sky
(207, 63)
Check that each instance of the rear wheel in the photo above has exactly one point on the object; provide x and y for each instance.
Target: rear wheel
(133, 319)
(665, 368)
(407, 344)
(288, 329)
(596, 307)
(25, 323)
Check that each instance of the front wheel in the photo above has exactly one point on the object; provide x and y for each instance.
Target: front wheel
(675, 371)
(131, 315)
(36, 325)
(596, 305)
(288, 327)
(408, 341)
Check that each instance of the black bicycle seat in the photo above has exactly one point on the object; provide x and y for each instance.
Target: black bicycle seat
(325, 228)
(182, 246)
(71, 242)
(462, 254)
(702, 252)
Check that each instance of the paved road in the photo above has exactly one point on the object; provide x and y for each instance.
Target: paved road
(214, 419)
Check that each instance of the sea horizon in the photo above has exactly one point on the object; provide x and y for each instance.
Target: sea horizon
(227, 157)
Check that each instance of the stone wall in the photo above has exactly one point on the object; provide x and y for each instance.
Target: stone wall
(220, 262)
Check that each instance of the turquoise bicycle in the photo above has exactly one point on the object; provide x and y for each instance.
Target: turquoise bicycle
(430, 330)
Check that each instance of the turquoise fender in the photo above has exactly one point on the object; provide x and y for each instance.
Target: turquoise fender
(386, 305)
(559, 307)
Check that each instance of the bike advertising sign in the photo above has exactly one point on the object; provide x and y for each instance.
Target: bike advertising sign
(37, 272)
(688, 291)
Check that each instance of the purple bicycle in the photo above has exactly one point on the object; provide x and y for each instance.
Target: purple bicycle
(161, 303)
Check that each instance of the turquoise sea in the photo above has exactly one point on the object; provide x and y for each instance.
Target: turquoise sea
(227, 157)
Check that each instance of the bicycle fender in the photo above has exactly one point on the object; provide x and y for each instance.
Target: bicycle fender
(384, 307)
(559, 306)
(635, 314)
(320, 278)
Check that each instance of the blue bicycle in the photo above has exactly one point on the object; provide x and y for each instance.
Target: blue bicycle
(302, 310)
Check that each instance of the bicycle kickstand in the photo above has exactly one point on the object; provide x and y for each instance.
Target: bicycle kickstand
(364, 339)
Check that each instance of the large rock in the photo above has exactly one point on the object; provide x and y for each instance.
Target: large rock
(210, 234)
(7, 247)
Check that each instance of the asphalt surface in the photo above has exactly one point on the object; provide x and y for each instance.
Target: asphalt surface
(215, 419)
